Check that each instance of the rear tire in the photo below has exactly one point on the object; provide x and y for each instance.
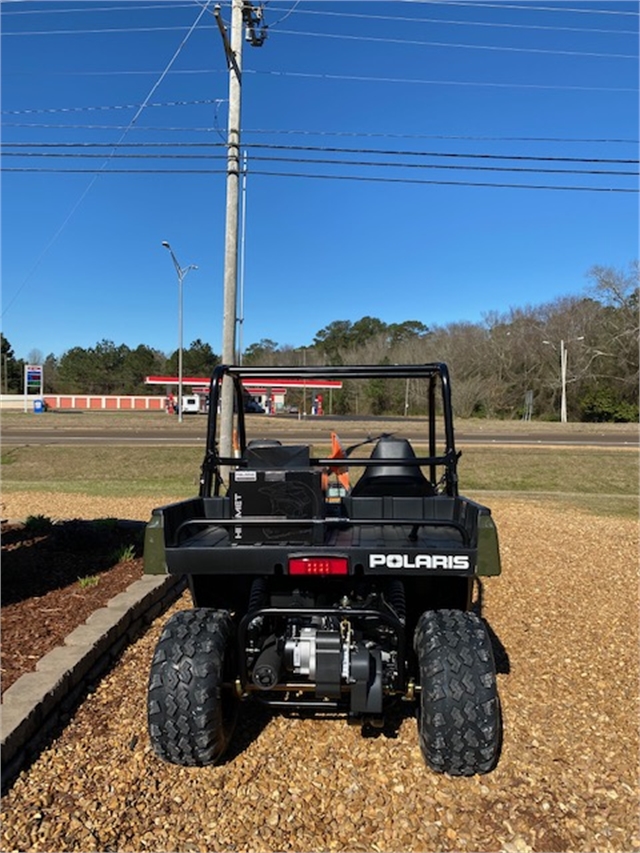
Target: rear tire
(192, 707)
(459, 721)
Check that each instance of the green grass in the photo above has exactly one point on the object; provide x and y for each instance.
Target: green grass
(124, 554)
(603, 480)
(580, 469)
(104, 471)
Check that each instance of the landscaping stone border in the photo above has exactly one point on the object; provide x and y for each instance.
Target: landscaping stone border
(37, 702)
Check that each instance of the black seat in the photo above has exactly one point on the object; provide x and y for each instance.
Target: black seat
(394, 480)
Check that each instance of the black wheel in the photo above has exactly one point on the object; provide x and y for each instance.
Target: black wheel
(459, 722)
(192, 707)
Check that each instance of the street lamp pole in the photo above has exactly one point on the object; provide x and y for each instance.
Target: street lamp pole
(182, 273)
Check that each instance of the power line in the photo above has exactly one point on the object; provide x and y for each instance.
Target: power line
(187, 5)
(331, 162)
(419, 43)
(126, 8)
(338, 133)
(461, 137)
(367, 178)
(325, 76)
(325, 149)
(48, 110)
(104, 31)
(321, 149)
(523, 8)
(352, 15)
(497, 24)
(342, 36)
(410, 80)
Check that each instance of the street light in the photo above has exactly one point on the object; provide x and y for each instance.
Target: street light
(181, 276)
(563, 375)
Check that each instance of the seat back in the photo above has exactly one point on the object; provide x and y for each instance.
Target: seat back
(393, 480)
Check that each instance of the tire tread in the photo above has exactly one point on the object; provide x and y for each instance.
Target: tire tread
(459, 723)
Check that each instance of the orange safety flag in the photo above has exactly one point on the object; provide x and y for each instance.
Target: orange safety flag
(338, 453)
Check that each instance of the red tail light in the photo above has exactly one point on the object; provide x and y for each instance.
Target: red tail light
(318, 566)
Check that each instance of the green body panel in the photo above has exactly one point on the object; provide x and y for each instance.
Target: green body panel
(154, 560)
(488, 549)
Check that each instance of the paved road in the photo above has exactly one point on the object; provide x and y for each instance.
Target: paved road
(193, 435)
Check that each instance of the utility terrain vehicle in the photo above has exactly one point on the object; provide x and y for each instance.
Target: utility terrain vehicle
(316, 594)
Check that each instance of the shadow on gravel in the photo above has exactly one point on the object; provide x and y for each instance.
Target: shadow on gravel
(253, 718)
(500, 654)
(41, 556)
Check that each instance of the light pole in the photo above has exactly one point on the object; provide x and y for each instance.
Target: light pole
(181, 276)
(563, 376)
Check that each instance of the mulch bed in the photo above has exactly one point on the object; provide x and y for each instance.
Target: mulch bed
(54, 575)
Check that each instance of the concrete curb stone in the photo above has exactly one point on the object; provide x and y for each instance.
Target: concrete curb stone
(31, 707)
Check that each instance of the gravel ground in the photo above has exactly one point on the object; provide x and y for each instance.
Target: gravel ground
(566, 612)
(20, 505)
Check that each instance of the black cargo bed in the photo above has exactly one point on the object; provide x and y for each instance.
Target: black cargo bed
(203, 541)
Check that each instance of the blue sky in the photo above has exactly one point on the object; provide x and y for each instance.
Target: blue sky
(544, 85)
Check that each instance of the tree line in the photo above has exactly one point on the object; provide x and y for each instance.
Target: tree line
(503, 367)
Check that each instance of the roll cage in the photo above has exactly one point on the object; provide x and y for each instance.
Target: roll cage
(442, 456)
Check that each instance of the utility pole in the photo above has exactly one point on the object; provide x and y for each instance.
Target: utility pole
(563, 375)
(242, 11)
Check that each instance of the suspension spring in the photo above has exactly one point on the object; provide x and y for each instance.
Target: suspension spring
(397, 599)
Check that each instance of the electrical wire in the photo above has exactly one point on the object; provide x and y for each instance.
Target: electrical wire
(341, 36)
(419, 43)
(331, 162)
(365, 178)
(402, 19)
(104, 31)
(284, 18)
(126, 8)
(338, 133)
(475, 4)
(523, 8)
(321, 149)
(452, 22)
(49, 110)
(475, 155)
(410, 80)
(466, 137)
(336, 78)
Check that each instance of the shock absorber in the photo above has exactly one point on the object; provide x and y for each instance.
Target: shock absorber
(396, 599)
(258, 594)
